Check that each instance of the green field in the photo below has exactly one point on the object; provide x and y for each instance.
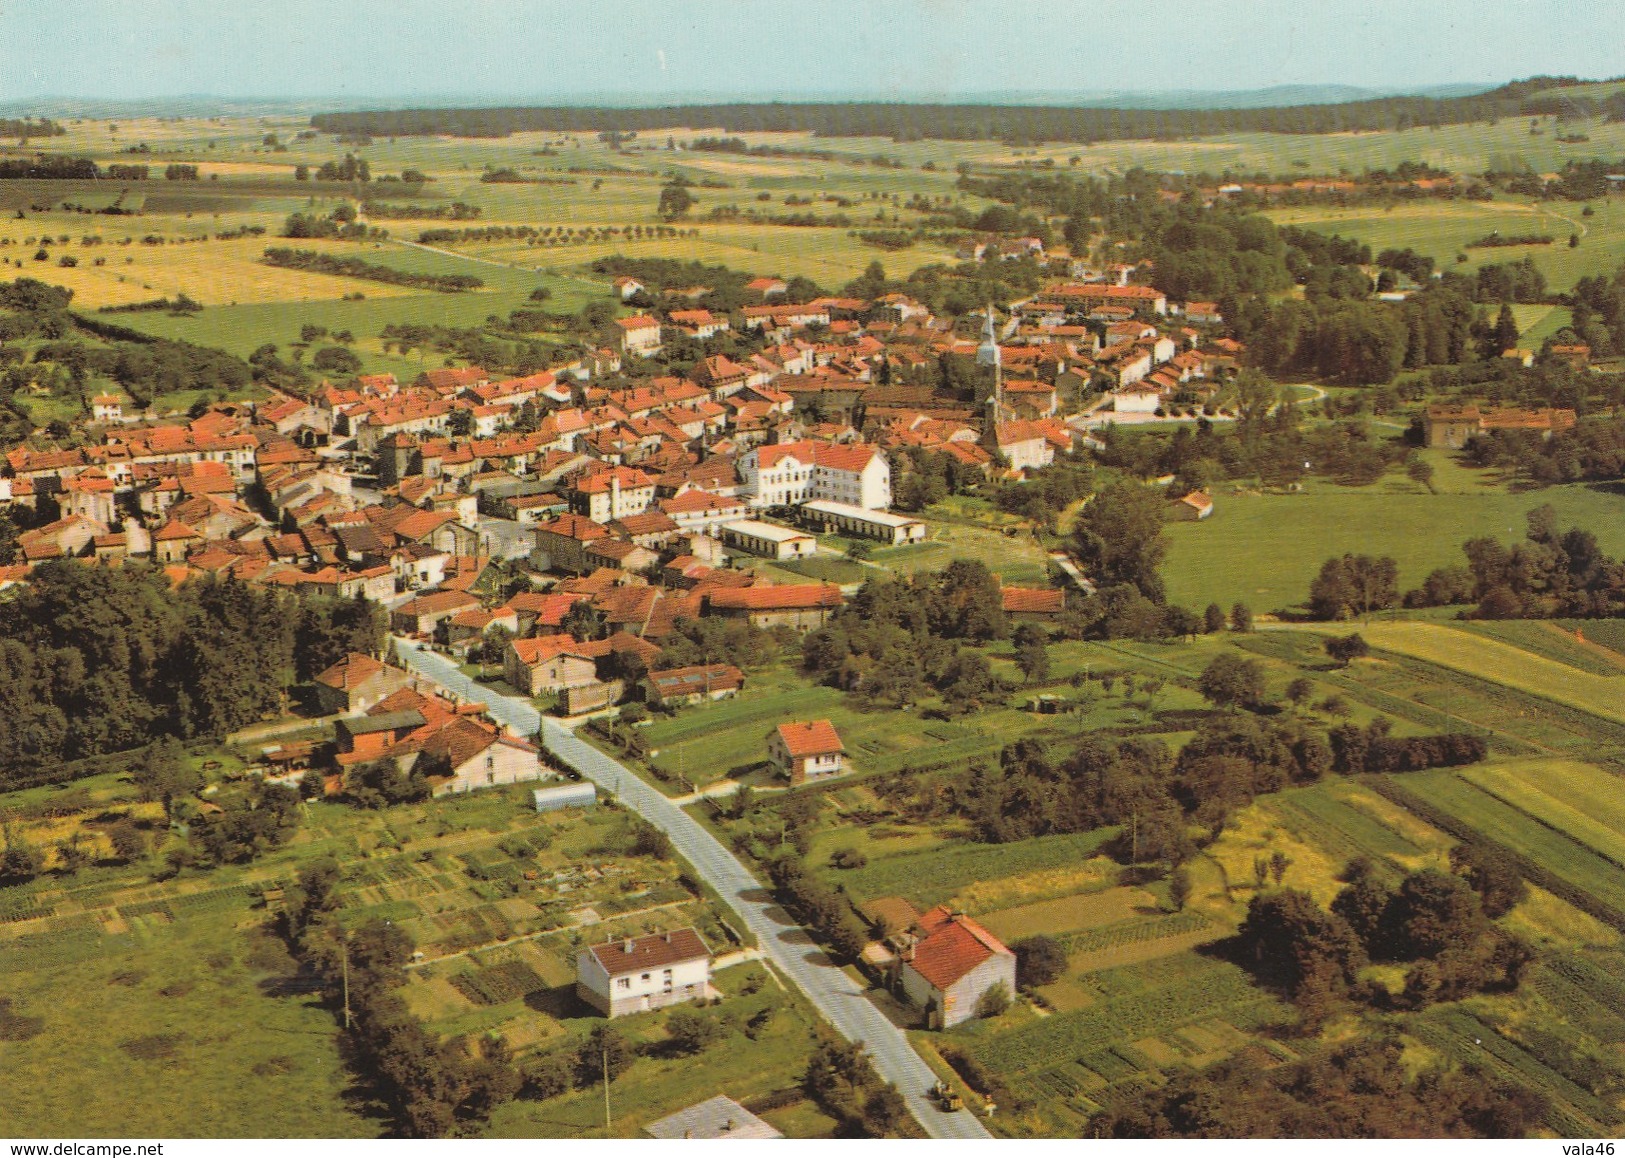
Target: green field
(1442, 229)
(1491, 659)
(1264, 549)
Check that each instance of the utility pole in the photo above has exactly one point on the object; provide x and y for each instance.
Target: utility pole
(603, 1045)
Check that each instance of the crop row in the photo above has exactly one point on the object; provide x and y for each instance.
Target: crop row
(1537, 853)
(1469, 1039)
(1069, 1035)
(499, 983)
(55, 950)
(1132, 932)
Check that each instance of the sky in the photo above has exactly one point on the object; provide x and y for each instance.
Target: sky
(363, 52)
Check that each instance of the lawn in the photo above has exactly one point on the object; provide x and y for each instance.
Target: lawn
(1265, 549)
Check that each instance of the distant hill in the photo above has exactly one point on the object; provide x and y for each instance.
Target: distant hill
(1017, 123)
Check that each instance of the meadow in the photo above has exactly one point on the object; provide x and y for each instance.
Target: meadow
(1265, 549)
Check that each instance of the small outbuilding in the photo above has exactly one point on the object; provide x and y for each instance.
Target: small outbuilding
(716, 1118)
(561, 796)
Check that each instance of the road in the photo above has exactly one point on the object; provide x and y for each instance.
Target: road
(792, 951)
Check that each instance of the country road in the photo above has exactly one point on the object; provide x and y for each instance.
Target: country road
(791, 950)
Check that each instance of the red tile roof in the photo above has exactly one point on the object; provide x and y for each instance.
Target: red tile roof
(655, 951)
(350, 672)
(784, 597)
(1033, 600)
(952, 949)
(814, 738)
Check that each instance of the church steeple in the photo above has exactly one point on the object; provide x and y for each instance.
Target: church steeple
(988, 354)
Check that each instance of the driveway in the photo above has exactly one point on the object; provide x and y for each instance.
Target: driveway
(787, 945)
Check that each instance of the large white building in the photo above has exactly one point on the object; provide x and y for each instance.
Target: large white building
(789, 473)
(642, 973)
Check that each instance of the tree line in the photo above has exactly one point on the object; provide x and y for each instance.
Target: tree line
(908, 122)
(308, 259)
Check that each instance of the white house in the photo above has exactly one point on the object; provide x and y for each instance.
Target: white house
(952, 966)
(640, 335)
(642, 973)
(1136, 400)
(809, 751)
(789, 473)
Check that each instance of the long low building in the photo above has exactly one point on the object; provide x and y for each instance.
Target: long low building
(768, 539)
(882, 525)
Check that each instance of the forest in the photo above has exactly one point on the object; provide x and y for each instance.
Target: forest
(908, 122)
(97, 660)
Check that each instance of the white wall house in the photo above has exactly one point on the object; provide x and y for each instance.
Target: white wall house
(789, 473)
(642, 973)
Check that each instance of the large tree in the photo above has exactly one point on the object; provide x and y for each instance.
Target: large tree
(1119, 538)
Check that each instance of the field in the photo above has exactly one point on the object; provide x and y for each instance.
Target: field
(184, 998)
(1443, 229)
(1264, 549)
(1475, 655)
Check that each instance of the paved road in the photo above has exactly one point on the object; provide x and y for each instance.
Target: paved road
(840, 999)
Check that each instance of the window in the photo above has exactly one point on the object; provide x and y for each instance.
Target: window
(645, 977)
(623, 983)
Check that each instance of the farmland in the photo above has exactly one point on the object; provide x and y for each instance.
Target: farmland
(1264, 549)
(188, 999)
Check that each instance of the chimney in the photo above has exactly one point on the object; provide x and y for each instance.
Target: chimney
(668, 938)
(626, 946)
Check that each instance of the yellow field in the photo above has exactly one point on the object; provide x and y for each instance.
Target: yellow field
(1578, 799)
(1489, 659)
(1067, 914)
(215, 273)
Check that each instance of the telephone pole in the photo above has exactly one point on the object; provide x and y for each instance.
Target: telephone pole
(603, 1047)
(345, 955)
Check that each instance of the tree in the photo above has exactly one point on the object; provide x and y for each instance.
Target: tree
(1433, 911)
(336, 360)
(1241, 618)
(994, 1000)
(1279, 863)
(675, 200)
(606, 1048)
(1179, 888)
(1213, 619)
(1032, 657)
(1119, 538)
(128, 841)
(164, 774)
(301, 173)
(1290, 942)
(1039, 960)
(690, 1032)
(1229, 681)
(1299, 691)
(1354, 585)
(19, 860)
(1493, 874)
(1344, 649)
(1420, 471)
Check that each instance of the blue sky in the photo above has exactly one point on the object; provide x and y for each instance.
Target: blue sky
(364, 51)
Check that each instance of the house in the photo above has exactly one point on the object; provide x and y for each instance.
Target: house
(802, 606)
(807, 751)
(628, 288)
(1451, 426)
(850, 520)
(767, 287)
(693, 685)
(768, 540)
(356, 683)
(714, 1118)
(613, 493)
(794, 472)
(640, 335)
(548, 663)
(1032, 604)
(424, 613)
(473, 754)
(950, 965)
(107, 408)
(1194, 506)
(637, 974)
